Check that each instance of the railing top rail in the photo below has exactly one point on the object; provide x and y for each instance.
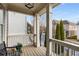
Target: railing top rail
(66, 44)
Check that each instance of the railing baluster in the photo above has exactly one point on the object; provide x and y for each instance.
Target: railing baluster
(50, 48)
(53, 48)
(57, 49)
(70, 52)
(69, 48)
(74, 52)
(60, 50)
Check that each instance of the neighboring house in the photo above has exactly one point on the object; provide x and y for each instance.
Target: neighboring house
(42, 28)
(29, 28)
(77, 31)
(69, 28)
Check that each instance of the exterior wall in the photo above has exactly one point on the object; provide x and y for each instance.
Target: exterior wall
(23, 39)
(77, 32)
(16, 23)
(53, 30)
(72, 29)
(17, 29)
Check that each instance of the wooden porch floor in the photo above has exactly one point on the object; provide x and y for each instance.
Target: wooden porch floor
(33, 51)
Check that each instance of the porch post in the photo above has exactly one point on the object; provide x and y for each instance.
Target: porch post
(6, 26)
(48, 29)
(34, 31)
(38, 30)
(5, 23)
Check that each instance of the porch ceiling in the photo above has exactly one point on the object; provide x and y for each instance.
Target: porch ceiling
(20, 7)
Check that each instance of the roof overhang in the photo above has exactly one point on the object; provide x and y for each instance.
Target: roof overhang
(20, 7)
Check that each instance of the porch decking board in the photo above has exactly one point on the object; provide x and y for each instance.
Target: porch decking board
(43, 51)
(33, 51)
(40, 50)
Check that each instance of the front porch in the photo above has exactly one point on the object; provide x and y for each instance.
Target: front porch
(36, 12)
(32, 47)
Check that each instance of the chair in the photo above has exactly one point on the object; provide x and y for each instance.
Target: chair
(5, 52)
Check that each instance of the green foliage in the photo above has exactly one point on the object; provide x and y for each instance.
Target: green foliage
(60, 31)
(18, 47)
(73, 37)
(57, 35)
(62, 35)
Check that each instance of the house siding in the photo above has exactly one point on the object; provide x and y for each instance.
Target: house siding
(17, 29)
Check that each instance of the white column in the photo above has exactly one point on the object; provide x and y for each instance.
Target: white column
(34, 39)
(37, 30)
(5, 23)
(6, 27)
(48, 29)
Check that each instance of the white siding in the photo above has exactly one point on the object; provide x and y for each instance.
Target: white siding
(16, 29)
(23, 39)
(77, 32)
(16, 23)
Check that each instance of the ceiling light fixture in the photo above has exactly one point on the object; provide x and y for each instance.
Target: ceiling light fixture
(29, 5)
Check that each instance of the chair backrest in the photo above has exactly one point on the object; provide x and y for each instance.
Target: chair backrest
(3, 51)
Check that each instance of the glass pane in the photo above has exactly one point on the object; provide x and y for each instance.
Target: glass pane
(0, 34)
(1, 23)
(1, 16)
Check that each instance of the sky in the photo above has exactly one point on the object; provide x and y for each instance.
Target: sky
(67, 11)
(29, 19)
(64, 11)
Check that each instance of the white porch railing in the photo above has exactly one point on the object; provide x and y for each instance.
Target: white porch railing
(70, 49)
(23, 39)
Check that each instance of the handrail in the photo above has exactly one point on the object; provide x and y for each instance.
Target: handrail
(66, 44)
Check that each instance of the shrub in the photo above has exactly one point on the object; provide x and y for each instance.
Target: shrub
(72, 37)
(57, 35)
(18, 47)
(62, 34)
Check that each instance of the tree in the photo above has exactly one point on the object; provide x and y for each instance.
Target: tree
(57, 36)
(62, 34)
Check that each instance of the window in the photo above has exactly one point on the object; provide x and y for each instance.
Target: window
(1, 24)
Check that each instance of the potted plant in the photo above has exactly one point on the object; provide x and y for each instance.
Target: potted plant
(18, 48)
